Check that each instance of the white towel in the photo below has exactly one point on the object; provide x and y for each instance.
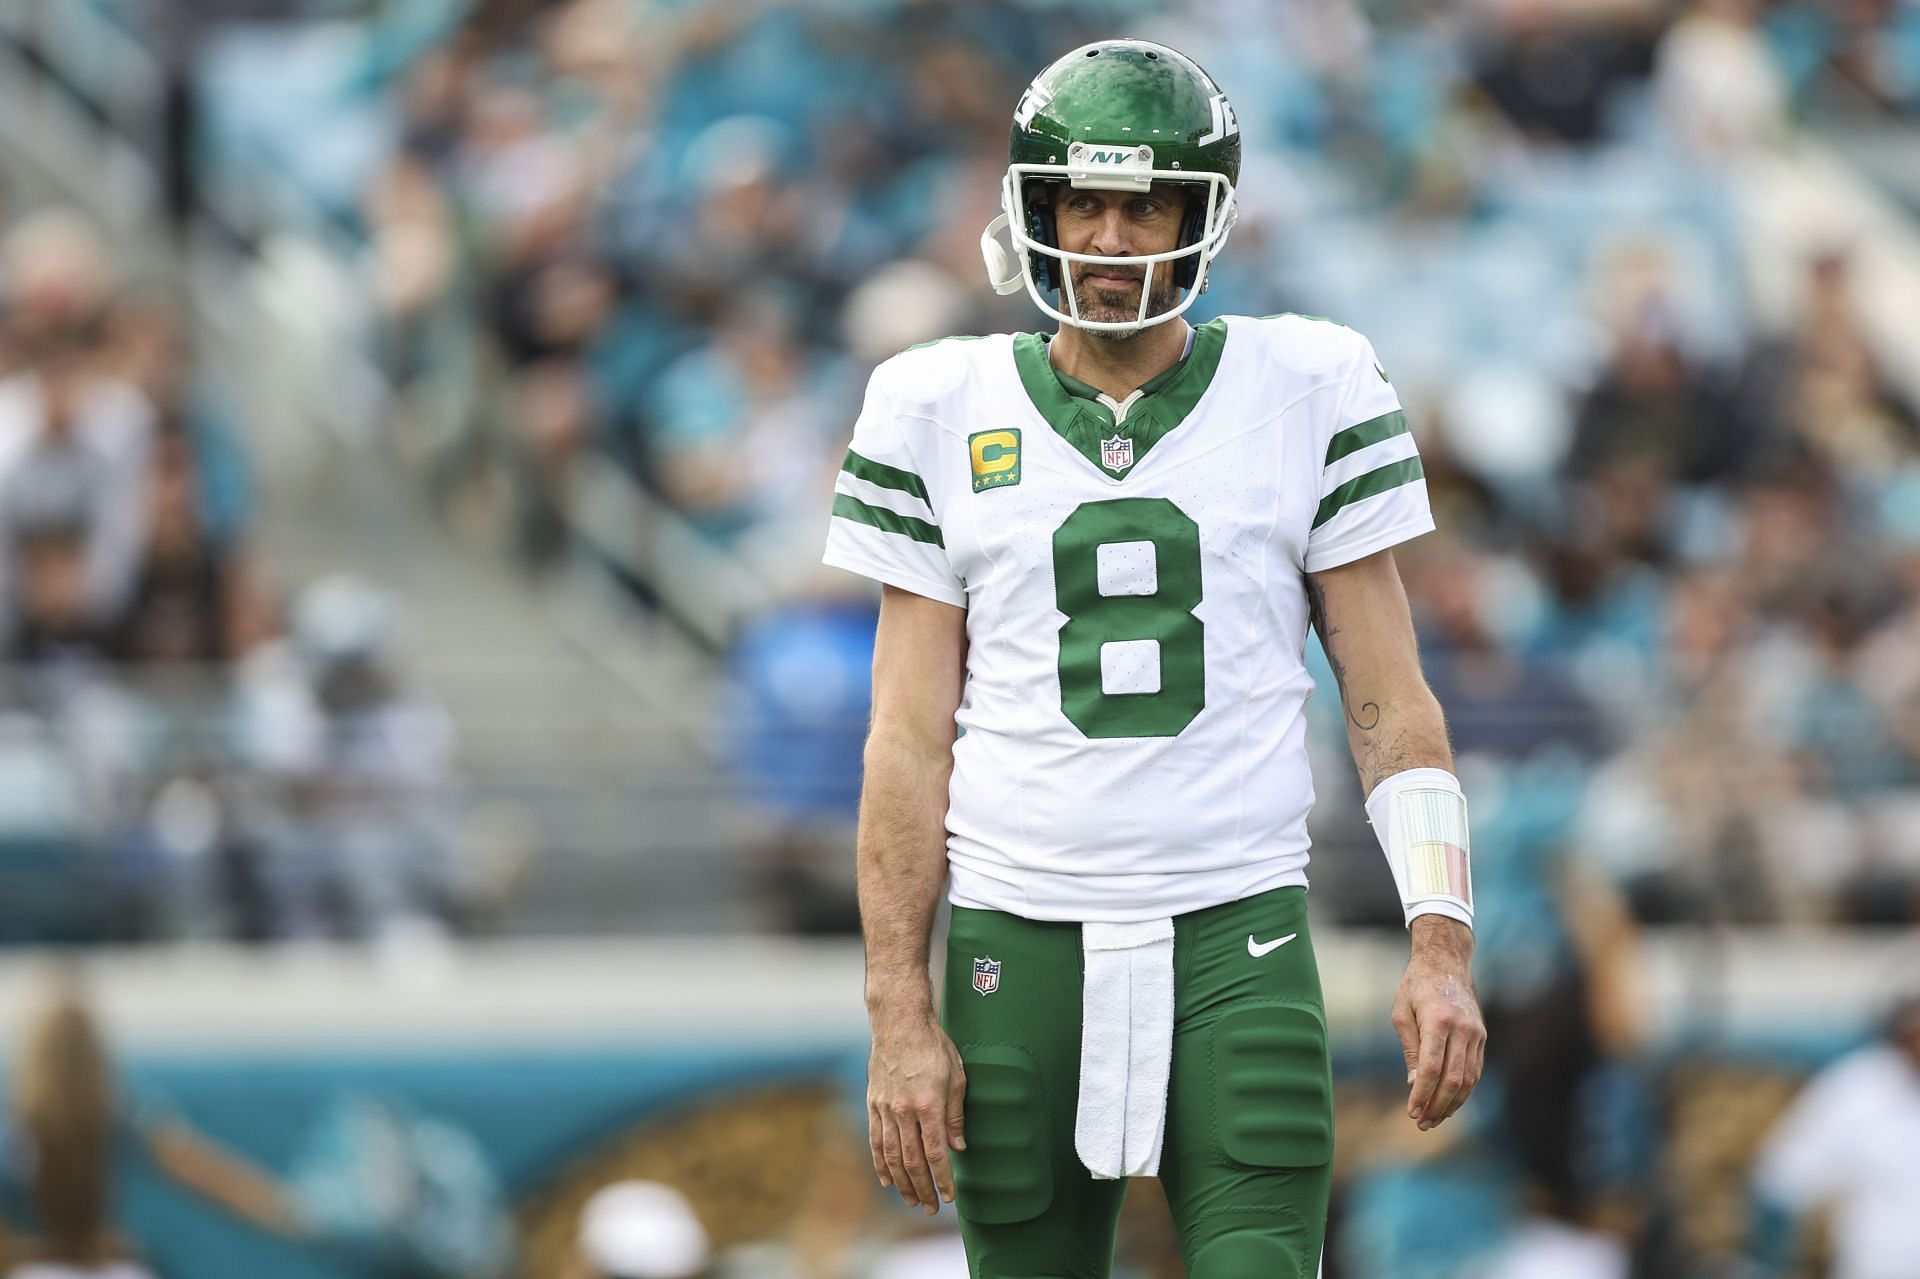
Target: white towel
(1126, 1047)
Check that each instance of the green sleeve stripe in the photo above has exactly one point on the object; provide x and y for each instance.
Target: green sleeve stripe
(886, 477)
(1355, 438)
(1390, 476)
(852, 508)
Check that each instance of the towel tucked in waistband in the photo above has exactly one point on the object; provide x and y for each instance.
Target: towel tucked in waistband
(1126, 1047)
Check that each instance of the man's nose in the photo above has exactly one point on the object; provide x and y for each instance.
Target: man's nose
(1110, 235)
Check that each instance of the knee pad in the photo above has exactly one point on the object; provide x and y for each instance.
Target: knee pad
(1252, 1254)
(1006, 1172)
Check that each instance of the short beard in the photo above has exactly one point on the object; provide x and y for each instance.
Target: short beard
(1095, 304)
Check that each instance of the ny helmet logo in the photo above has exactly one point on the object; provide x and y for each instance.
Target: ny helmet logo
(986, 975)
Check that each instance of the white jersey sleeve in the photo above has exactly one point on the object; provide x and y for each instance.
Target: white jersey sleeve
(884, 525)
(1373, 493)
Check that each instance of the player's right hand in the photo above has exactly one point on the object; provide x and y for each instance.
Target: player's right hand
(916, 1089)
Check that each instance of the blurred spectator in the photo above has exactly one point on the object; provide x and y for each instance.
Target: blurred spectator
(640, 1230)
(1721, 92)
(53, 625)
(189, 603)
(74, 449)
(797, 728)
(1652, 402)
(1553, 68)
(1849, 1148)
(742, 422)
(352, 827)
(412, 258)
(148, 346)
(58, 279)
(1838, 402)
(1559, 962)
(1495, 703)
(68, 1136)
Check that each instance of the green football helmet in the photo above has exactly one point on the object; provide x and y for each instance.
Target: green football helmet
(1115, 115)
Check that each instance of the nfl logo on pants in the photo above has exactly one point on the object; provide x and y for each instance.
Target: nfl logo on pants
(986, 975)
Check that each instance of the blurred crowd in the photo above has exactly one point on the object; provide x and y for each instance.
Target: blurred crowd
(179, 754)
(1679, 503)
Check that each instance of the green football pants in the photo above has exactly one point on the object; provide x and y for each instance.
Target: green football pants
(1247, 1159)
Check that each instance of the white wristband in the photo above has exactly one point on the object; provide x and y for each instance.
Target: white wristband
(1420, 818)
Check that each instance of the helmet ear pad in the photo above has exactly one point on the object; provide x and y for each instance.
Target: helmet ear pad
(1042, 229)
(1193, 225)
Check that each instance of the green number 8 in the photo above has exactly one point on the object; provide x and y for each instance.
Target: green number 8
(1095, 620)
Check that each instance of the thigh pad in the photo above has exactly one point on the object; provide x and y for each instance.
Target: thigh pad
(1006, 1172)
(1272, 1086)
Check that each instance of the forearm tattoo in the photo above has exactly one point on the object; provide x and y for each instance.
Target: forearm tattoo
(1365, 717)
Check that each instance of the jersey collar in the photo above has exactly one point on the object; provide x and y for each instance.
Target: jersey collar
(1120, 408)
(1083, 417)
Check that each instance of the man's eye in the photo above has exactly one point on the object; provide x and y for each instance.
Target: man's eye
(1145, 208)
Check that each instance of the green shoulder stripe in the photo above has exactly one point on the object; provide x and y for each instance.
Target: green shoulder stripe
(852, 508)
(884, 476)
(1354, 438)
(1373, 483)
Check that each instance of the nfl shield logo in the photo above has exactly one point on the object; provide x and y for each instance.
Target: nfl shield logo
(986, 975)
(1116, 454)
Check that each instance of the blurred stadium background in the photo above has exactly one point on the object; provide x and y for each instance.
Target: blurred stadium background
(429, 744)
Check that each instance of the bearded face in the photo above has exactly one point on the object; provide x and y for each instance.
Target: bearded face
(1121, 224)
(1106, 299)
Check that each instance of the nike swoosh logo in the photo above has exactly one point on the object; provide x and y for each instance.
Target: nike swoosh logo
(1257, 949)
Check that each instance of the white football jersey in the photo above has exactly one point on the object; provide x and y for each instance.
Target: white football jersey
(1133, 737)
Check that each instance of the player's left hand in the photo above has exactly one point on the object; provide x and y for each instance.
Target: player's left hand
(1438, 1019)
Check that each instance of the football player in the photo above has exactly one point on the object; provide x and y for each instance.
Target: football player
(1101, 549)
